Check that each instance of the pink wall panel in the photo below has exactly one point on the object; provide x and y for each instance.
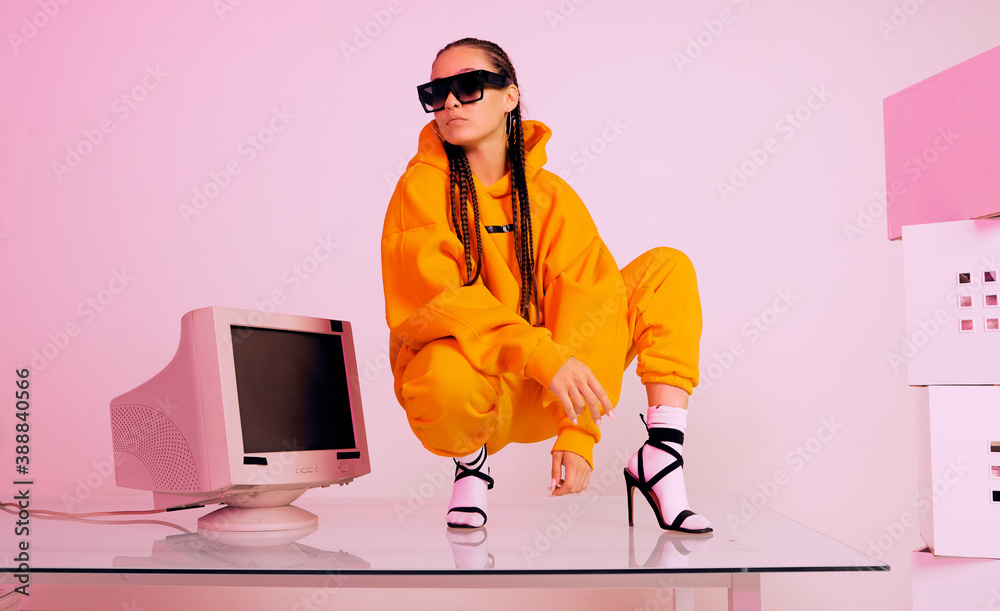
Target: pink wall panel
(942, 145)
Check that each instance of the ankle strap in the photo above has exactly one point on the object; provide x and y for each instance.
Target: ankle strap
(663, 434)
(462, 470)
(666, 435)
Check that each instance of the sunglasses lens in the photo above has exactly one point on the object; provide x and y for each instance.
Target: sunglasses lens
(432, 96)
(468, 89)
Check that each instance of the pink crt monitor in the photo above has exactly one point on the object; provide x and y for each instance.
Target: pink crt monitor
(254, 409)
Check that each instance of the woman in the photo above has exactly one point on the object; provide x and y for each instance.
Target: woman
(510, 320)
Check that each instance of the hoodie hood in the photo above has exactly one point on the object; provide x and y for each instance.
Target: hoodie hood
(430, 151)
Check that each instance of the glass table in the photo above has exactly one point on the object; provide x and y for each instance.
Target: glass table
(576, 541)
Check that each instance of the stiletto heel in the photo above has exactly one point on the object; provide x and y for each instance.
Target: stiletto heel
(630, 484)
(658, 438)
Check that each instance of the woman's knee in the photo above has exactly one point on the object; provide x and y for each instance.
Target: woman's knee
(676, 261)
(440, 380)
(659, 267)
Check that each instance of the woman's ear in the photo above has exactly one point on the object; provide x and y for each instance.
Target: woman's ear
(513, 96)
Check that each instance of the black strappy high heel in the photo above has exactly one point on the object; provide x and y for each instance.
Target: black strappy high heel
(464, 471)
(658, 438)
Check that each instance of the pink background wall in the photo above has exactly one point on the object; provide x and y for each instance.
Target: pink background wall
(803, 299)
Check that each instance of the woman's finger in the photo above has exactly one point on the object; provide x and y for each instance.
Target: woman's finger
(567, 404)
(602, 396)
(592, 402)
(579, 403)
(556, 470)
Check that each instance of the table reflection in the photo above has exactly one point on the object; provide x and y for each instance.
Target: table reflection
(673, 550)
(193, 551)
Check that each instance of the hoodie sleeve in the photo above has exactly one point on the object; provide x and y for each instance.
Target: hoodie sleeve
(585, 306)
(422, 272)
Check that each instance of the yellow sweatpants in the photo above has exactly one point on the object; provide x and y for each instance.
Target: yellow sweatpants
(454, 409)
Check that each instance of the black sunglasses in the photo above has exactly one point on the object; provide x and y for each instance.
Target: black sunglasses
(467, 87)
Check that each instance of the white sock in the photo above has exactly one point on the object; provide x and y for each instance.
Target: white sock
(470, 492)
(670, 490)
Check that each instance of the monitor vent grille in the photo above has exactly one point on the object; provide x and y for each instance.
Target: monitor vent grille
(158, 444)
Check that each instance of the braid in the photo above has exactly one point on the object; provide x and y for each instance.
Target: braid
(461, 176)
(459, 228)
(458, 164)
(470, 188)
(519, 192)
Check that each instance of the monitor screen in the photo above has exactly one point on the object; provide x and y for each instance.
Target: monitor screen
(292, 390)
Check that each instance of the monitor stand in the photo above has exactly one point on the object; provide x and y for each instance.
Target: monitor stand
(259, 519)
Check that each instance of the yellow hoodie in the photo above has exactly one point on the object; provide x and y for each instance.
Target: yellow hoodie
(583, 297)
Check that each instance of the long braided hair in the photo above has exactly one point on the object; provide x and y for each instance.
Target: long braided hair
(461, 181)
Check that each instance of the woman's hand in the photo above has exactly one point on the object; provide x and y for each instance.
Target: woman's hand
(577, 473)
(577, 388)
